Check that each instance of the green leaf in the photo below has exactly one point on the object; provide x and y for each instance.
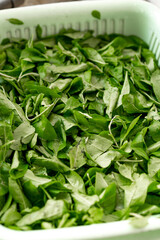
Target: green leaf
(36, 180)
(72, 68)
(72, 103)
(77, 155)
(138, 145)
(84, 202)
(11, 216)
(39, 31)
(131, 126)
(8, 106)
(104, 160)
(136, 193)
(110, 98)
(154, 130)
(60, 141)
(100, 182)
(96, 14)
(44, 129)
(18, 167)
(33, 54)
(96, 145)
(76, 181)
(129, 104)
(30, 184)
(155, 79)
(6, 137)
(26, 65)
(61, 84)
(18, 195)
(4, 174)
(108, 199)
(34, 88)
(52, 163)
(94, 215)
(76, 85)
(153, 166)
(94, 56)
(2, 202)
(127, 170)
(23, 134)
(15, 21)
(52, 210)
(125, 90)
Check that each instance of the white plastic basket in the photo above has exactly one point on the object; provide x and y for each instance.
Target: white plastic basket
(117, 16)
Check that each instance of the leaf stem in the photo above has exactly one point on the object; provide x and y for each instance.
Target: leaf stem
(135, 215)
(27, 74)
(109, 128)
(7, 76)
(127, 160)
(39, 115)
(47, 194)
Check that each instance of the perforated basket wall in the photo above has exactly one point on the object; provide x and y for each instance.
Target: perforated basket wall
(124, 17)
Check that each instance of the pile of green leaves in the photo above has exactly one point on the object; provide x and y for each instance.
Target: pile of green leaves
(79, 130)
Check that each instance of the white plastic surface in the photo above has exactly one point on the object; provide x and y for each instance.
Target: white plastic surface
(117, 16)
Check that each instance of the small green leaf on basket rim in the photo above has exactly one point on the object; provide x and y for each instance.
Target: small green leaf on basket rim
(96, 14)
(15, 21)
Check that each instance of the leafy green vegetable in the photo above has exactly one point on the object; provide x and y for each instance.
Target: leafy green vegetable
(79, 130)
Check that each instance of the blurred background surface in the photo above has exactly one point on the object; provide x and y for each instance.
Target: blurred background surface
(34, 2)
(16, 3)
